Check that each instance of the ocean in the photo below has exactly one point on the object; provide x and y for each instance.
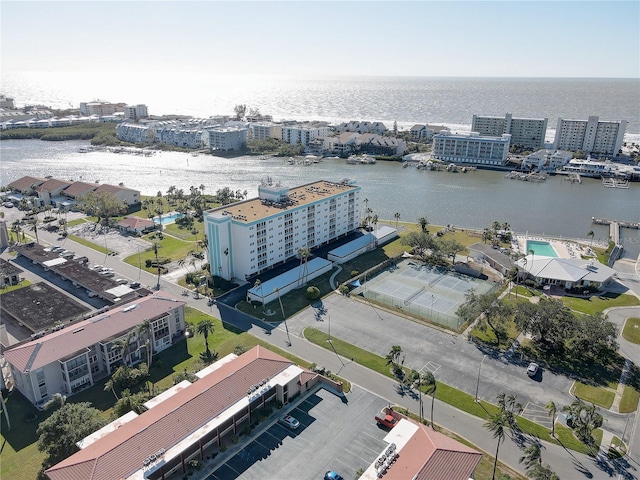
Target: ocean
(405, 100)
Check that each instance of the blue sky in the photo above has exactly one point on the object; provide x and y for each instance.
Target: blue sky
(421, 38)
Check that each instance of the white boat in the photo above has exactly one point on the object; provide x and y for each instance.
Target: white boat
(615, 183)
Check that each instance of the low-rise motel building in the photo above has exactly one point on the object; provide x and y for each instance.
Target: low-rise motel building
(185, 421)
(249, 237)
(73, 357)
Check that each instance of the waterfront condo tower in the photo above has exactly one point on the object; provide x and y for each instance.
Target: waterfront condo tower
(526, 132)
(590, 136)
(249, 237)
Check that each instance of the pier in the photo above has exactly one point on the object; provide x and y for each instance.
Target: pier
(614, 234)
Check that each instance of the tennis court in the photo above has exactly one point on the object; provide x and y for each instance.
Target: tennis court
(430, 292)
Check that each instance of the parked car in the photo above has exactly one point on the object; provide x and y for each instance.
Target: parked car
(289, 422)
(331, 475)
(107, 273)
(122, 281)
(532, 369)
(134, 284)
(91, 293)
(97, 268)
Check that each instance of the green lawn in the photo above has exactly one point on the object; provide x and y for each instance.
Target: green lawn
(487, 335)
(600, 396)
(77, 221)
(631, 330)
(595, 304)
(629, 401)
(20, 456)
(22, 284)
(169, 247)
(444, 392)
(185, 233)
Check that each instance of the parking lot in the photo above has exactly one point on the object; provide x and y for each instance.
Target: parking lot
(333, 435)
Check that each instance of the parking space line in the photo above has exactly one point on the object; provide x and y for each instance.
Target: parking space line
(432, 367)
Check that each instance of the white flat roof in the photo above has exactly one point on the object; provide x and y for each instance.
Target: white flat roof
(110, 427)
(54, 262)
(166, 394)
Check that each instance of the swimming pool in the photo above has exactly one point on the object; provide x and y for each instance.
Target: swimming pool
(542, 249)
(168, 218)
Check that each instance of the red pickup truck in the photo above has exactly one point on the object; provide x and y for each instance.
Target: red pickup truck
(387, 418)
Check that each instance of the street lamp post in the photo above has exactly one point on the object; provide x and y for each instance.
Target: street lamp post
(478, 381)
(329, 315)
(139, 262)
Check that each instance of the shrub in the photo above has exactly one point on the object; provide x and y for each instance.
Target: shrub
(313, 293)
(235, 438)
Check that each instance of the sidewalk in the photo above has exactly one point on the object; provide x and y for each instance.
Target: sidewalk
(564, 462)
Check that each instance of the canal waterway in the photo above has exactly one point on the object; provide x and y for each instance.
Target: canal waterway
(474, 199)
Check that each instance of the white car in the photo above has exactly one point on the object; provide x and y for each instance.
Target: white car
(532, 369)
(289, 422)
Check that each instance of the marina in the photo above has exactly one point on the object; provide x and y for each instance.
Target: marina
(615, 183)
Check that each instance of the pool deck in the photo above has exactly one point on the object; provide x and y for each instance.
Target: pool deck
(564, 248)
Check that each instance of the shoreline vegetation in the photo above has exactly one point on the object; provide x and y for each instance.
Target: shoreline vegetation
(104, 135)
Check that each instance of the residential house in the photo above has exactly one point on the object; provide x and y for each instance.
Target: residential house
(357, 126)
(135, 225)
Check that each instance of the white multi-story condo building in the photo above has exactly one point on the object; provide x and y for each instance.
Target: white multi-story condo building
(262, 130)
(590, 136)
(472, 148)
(100, 108)
(74, 358)
(303, 134)
(134, 112)
(225, 138)
(426, 132)
(527, 132)
(249, 237)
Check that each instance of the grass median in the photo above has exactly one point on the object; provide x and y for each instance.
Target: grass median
(444, 392)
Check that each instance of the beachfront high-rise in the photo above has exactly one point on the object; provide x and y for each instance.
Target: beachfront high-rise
(471, 149)
(527, 132)
(249, 237)
(590, 136)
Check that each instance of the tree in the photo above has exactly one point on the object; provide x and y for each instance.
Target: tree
(204, 328)
(494, 309)
(109, 385)
(584, 419)
(256, 285)
(123, 345)
(397, 217)
(512, 276)
(550, 323)
(240, 110)
(158, 267)
(34, 228)
(450, 248)
(497, 424)
(423, 222)
(58, 434)
(552, 410)
(429, 381)
(593, 338)
(57, 401)
(303, 253)
(532, 455)
(313, 293)
(146, 331)
(102, 205)
(420, 241)
(392, 359)
(486, 235)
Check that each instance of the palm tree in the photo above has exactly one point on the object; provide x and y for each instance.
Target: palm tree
(145, 329)
(429, 381)
(256, 285)
(591, 234)
(422, 221)
(394, 354)
(512, 275)
(304, 257)
(155, 252)
(497, 424)
(532, 456)
(34, 227)
(486, 235)
(495, 226)
(532, 252)
(110, 386)
(123, 345)
(204, 328)
(552, 410)
(397, 217)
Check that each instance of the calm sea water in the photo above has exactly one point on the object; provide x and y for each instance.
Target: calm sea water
(407, 100)
(473, 199)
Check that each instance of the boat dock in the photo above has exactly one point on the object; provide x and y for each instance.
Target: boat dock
(614, 234)
(609, 221)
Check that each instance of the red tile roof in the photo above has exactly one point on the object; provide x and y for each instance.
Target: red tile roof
(52, 184)
(25, 183)
(112, 188)
(120, 453)
(77, 189)
(135, 223)
(54, 346)
(430, 455)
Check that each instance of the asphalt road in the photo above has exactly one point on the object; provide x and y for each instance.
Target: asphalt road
(452, 359)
